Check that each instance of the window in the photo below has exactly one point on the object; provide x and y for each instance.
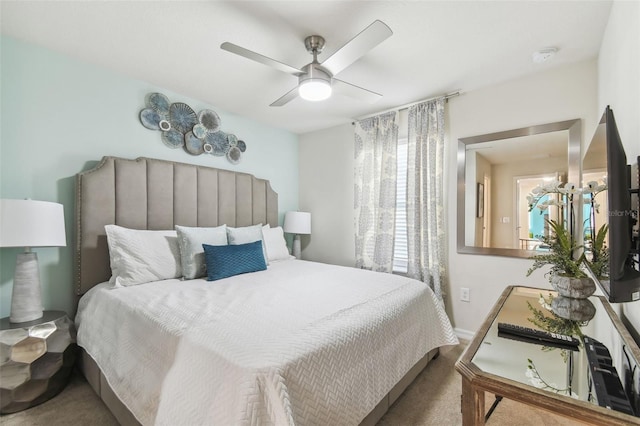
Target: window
(400, 250)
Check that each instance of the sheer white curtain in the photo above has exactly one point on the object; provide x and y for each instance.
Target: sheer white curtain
(425, 201)
(376, 141)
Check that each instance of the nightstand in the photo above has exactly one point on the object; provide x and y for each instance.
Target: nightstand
(36, 360)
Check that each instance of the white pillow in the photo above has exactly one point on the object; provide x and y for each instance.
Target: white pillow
(275, 244)
(246, 234)
(141, 256)
(190, 241)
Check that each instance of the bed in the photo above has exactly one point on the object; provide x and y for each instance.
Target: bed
(295, 343)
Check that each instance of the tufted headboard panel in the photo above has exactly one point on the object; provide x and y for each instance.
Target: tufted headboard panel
(146, 193)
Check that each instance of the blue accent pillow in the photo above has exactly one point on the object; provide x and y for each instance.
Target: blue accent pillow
(227, 261)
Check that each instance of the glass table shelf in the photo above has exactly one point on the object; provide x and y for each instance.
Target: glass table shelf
(555, 379)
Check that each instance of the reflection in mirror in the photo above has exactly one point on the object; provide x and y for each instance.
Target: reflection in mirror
(497, 171)
(594, 169)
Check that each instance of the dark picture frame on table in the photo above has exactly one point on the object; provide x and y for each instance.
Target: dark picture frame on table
(480, 200)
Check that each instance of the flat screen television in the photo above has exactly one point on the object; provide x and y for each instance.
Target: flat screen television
(622, 284)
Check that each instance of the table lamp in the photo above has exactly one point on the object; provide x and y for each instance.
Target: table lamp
(297, 223)
(29, 223)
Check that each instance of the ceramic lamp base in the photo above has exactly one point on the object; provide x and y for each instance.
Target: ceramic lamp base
(296, 247)
(26, 300)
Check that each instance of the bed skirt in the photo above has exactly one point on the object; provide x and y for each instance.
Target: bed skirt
(101, 387)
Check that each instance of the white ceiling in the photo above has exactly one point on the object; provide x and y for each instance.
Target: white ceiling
(437, 46)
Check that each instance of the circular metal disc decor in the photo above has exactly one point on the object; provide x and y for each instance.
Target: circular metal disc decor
(210, 120)
(218, 142)
(159, 103)
(150, 119)
(173, 138)
(198, 133)
(193, 145)
(182, 117)
(234, 155)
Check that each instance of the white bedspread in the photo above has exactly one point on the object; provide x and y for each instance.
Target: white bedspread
(301, 343)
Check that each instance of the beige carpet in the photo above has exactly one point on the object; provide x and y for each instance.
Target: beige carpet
(433, 399)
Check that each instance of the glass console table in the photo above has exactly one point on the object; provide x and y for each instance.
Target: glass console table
(566, 382)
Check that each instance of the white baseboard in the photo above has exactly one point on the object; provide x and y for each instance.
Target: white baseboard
(464, 334)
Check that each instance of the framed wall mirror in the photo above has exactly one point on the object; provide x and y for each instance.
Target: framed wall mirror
(507, 166)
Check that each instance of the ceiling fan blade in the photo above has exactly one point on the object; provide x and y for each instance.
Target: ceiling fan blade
(288, 97)
(233, 48)
(366, 40)
(354, 91)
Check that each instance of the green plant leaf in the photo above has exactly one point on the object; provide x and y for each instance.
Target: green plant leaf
(561, 253)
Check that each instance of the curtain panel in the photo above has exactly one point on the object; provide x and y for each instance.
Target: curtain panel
(425, 201)
(376, 142)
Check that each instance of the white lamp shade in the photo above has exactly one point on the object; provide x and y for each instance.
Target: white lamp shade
(297, 222)
(314, 90)
(31, 223)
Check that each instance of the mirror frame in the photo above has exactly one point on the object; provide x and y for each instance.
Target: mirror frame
(573, 175)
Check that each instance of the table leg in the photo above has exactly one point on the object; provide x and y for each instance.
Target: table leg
(472, 404)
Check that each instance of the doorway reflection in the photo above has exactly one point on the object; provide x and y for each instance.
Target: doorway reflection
(496, 162)
(533, 225)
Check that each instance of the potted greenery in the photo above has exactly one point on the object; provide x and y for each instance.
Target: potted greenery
(566, 256)
(566, 275)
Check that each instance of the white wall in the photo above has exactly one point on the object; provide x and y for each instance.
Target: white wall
(619, 87)
(326, 177)
(326, 190)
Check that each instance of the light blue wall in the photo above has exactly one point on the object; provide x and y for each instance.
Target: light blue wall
(59, 116)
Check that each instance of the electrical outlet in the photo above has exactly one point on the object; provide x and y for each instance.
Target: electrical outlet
(464, 294)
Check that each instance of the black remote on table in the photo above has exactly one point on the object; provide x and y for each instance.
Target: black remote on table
(526, 334)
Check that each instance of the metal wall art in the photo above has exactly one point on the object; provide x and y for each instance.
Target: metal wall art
(181, 127)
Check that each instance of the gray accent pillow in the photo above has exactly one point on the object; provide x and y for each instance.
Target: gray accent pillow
(190, 240)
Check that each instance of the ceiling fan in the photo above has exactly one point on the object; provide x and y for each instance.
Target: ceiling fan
(316, 80)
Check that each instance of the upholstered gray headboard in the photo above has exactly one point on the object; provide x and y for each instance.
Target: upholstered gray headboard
(146, 193)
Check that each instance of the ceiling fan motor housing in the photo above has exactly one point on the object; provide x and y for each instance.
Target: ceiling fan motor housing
(314, 72)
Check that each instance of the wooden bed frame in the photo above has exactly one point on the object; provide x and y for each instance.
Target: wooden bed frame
(155, 194)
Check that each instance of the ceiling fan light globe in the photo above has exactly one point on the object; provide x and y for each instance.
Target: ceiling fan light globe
(314, 90)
